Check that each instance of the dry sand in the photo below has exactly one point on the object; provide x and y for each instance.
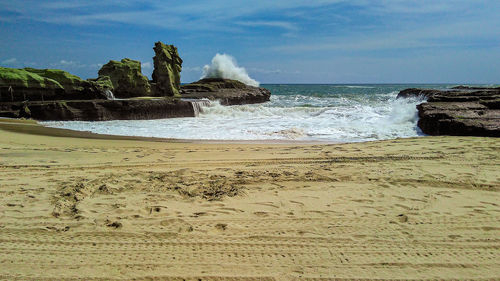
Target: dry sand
(81, 208)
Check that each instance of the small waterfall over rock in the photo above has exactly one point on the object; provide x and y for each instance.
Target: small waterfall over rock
(109, 95)
(198, 105)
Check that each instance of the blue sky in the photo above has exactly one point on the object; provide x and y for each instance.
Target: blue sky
(280, 41)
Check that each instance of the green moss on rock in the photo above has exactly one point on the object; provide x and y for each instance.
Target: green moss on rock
(67, 80)
(23, 78)
(102, 83)
(33, 84)
(126, 78)
(26, 110)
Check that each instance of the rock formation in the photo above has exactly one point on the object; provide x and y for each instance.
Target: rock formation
(126, 77)
(229, 92)
(51, 94)
(167, 70)
(104, 85)
(31, 84)
(461, 111)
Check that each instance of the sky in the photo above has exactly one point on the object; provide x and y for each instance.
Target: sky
(279, 41)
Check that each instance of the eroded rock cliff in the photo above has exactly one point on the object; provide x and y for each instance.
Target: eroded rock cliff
(126, 77)
(167, 70)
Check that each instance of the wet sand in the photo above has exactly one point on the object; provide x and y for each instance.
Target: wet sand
(78, 206)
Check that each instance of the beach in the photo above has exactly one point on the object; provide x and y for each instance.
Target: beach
(79, 206)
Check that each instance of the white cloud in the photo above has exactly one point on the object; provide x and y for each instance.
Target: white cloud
(146, 65)
(265, 71)
(281, 24)
(457, 34)
(69, 63)
(224, 15)
(178, 15)
(10, 61)
(288, 26)
(192, 69)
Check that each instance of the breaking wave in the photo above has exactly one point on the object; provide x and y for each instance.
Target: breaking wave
(225, 66)
(345, 117)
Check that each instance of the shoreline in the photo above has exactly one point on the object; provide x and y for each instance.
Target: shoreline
(17, 125)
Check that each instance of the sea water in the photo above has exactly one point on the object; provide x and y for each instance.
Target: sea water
(333, 113)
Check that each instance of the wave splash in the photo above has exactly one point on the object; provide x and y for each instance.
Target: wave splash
(349, 120)
(225, 66)
(198, 105)
(109, 95)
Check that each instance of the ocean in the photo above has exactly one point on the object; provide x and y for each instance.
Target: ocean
(309, 112)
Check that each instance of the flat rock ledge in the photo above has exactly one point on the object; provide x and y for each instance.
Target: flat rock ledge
(99, 110)
(460, 111)
(227, 91)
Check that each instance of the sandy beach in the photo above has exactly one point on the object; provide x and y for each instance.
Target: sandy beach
(76, 206)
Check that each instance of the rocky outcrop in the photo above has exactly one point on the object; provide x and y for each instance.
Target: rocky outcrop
(460, 111)
(126, 78)
(227, 91)
(50, 94)
(167, 70)
(30, 84)
(99, 110)
(104, 85)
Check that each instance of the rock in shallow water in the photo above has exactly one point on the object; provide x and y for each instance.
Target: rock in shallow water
(229, 92)
(461, 111)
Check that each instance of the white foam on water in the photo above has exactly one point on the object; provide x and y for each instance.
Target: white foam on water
(354, 86)
(198, 105)
(109, 95)
(298, 117)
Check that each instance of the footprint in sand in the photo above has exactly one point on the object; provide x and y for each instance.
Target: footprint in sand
(402, 218)
(261, 214)
(221, 226)
(113, 224)
(178, 225)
